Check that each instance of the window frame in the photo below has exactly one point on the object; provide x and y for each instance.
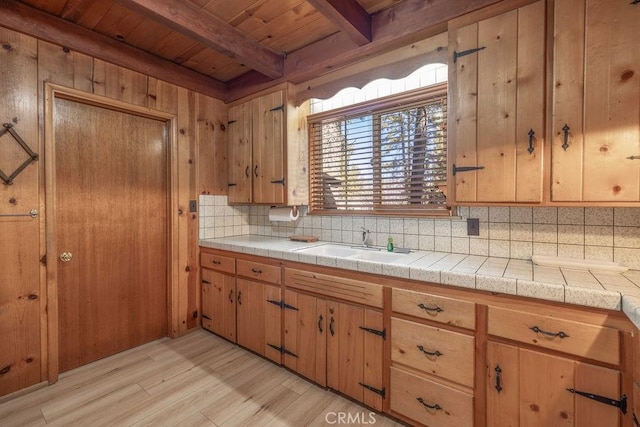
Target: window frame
(378, 107)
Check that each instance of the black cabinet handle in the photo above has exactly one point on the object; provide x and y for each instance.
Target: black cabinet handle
(531, 135)
(426, 405)
(320, 319)
(429, 353)
(565, 137)
(246, 171)
(255, 171)
(498, 378)
(239, 297)
(256, 270)
(550, 334)
(331, 326)
(230, 296)
(215, 262)
(5, 370)
(436, 308)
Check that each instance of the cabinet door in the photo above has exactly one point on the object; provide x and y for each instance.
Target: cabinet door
(239, 131)
(596, 109)
(250, 315)
(207, 300)
(529, 388)
(220, 305)
(269, 184)
(304, 335)
(498, 106)
(272, 323)
(354, 356)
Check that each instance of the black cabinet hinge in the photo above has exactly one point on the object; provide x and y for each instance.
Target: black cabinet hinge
(231, 121)
(283, 350)
(382, 333)
(231, 184)
(457, 169)
(279, 181)
(457, 55)
(204, 316)
(381, 391)
(635, 419)
(206, 281)
(282, 304)
(635, 2)
(622, 403)
(278, 108)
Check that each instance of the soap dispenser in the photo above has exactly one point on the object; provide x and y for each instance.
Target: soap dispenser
(390, 244)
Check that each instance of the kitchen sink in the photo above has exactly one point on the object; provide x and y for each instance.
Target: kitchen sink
(330, 250)
(355, 252)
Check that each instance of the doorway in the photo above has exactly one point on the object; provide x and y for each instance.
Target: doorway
(110, 228)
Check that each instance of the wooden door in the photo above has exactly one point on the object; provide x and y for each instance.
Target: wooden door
(269, 183)
(240, 163)
(250, 315)
(529, 388)
(498, 99)
(223, 301)
(596, 108)
(111, 180)
(304, 334)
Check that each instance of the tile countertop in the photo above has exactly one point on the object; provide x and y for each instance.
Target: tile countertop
(614, 291)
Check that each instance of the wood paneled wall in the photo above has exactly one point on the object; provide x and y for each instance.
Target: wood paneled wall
(25, 65)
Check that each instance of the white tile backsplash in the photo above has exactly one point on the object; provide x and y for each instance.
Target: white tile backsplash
(603, 234)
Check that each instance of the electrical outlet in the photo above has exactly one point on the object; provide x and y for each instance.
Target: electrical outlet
(193, 206)
(473, 226)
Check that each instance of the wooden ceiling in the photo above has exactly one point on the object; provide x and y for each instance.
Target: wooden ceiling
(239, 45)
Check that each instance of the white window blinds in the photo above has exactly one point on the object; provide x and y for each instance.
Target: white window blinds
(387, 157)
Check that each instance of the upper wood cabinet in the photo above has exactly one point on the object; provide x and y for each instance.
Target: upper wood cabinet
(268, 151)
(497, 92)
(596, 101)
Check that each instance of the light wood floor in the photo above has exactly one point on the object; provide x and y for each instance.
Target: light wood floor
(196, 380)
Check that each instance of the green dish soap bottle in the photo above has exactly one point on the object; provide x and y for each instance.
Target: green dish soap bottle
(390, 244)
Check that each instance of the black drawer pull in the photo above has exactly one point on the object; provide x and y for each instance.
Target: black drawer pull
(550, 334)
(429, 353)
(426, 405)
(239, 297)
(333, 332)
(320, 323)
(498, 378)
(256, 270)
(436, 308)
(5, 370)
(230, 295)
(215, 262)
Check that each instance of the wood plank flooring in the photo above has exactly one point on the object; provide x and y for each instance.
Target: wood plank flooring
(197, 380)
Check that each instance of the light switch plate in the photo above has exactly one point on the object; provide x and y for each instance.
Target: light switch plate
(193, 206)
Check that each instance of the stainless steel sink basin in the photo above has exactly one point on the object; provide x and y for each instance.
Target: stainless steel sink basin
(354, 252)
(330, 250)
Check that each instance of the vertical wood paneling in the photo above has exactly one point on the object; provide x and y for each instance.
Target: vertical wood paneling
(162, 96)
(20, 327)
(212, 146)
(600, 381)
(268, 149)
(465, 99)
(239, 155)
(612, 102)
(373, 353)
(119, 83)
(497, 107)
(297, 140)
(568, 60)
(530, 101)
(503, 407)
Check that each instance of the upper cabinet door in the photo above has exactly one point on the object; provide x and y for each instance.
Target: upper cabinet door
(240, 154)
(269, 182)
(497, 89)
(596, 105)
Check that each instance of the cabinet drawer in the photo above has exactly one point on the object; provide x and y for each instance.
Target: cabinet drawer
(218, 262)
(452, 352)
(433, 307)
(259, 271)
(410, 395)
(590, 341)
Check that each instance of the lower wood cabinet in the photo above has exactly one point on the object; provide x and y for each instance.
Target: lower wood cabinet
(257, 319)
(219, 303)
(335, 344)
(529, 388)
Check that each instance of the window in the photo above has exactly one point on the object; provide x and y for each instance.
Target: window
(388, 156)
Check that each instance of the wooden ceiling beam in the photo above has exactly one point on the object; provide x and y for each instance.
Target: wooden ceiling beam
(192, 21)
(348, 16)
(401, 25)
(74, 9)
(36, 23)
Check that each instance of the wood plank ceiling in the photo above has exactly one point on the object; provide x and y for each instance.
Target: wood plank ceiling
(243, 45)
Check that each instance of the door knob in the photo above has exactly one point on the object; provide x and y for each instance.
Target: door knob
(66, 256)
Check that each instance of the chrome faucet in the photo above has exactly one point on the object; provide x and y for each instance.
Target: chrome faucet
(365, 237)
